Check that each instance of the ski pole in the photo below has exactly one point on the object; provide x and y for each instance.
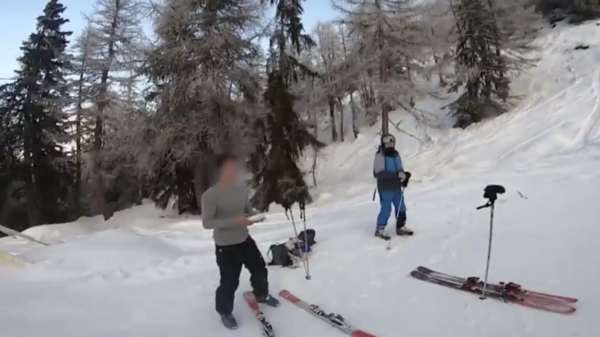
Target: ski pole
(306, 243)
(304, 261)
(491, 193)
(489, 254)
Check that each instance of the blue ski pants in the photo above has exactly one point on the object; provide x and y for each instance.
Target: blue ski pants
(386, 200)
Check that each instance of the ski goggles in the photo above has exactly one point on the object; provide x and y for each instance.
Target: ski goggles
(388, 139)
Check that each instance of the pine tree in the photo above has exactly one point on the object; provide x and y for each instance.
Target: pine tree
(576, 11)
(284, 136)
(37, 120)
(480, 66)
(9, 164)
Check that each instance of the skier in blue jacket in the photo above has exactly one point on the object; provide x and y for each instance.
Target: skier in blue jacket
(391, 180)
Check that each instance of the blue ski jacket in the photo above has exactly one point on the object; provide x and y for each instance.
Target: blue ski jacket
(386, 167)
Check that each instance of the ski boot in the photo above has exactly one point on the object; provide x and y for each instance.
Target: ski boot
(401, 225)
(474, 281)
(268, 300)
(229, 321)
(380, 233)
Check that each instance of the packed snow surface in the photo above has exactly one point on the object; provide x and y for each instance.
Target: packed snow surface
(151, 273)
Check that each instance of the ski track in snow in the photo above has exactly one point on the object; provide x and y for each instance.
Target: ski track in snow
(152, 273)
(590, 131)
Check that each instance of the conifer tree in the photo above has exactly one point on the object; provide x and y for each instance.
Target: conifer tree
(283, 135)
(9, 165)
(33, 113)
(480, 66)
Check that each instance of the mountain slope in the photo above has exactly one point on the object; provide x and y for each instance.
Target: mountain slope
(153, 273)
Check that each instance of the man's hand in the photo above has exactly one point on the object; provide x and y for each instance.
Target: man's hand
(243, 221)
(402, 176)
(259, 217)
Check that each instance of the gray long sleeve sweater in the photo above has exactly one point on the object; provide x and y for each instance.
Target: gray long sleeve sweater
(220, 206)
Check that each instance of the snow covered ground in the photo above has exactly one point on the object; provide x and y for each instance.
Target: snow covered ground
(151, 273)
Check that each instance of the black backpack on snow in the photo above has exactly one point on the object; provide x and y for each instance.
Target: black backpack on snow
(282, 254)
(308, 237)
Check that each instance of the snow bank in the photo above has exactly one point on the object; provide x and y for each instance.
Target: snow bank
(557, 108)
(104, 251)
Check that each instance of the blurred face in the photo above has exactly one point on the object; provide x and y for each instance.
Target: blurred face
(229, 172)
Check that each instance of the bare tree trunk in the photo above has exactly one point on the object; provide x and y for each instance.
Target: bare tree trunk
(384, 105)
(99, 187)
(331, 103)
(139, 193)
(351, 91)
(341, 106)
(354, 116)
(33, 210)
(78, 136)
(78, 158)
(204, 175)
(368, 101)
(437, 61)
(313, 170)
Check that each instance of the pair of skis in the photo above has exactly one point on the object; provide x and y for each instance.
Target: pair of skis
(330, 318)
(507, 292)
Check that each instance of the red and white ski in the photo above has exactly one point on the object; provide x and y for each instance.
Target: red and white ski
(502, 286)
(495, 292)
(330, 318)
(253, 304)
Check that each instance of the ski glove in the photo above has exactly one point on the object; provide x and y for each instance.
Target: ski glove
(406, 178)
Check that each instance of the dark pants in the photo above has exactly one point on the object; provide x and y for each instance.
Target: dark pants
(230, 260)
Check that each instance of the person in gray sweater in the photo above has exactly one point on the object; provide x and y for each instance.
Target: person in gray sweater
(225, 208)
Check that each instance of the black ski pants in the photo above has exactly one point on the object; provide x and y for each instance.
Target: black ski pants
(230, 260)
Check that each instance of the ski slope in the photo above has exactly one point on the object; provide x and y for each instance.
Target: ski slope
(151, 273)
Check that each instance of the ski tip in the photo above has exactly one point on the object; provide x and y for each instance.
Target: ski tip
(418, 274)
(361, 334)
(288, 296)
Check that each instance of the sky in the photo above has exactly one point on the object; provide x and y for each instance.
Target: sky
(18, 20)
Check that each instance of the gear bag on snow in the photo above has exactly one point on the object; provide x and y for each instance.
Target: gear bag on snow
(288, 253)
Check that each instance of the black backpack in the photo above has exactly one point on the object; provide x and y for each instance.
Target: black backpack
(308, 237)
(280, 255)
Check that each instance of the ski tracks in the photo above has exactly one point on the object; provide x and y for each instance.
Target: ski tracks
(591, 126)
